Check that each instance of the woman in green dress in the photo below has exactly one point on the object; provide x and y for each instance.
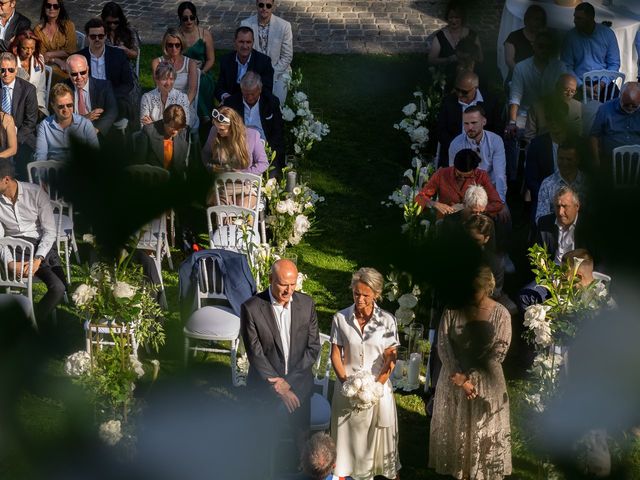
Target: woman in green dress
(199, 47)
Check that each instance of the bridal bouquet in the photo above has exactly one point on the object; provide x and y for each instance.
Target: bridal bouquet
(362, 390)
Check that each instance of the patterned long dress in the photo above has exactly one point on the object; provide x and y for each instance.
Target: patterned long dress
(472, 438)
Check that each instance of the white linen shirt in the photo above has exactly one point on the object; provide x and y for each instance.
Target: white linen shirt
(566, 240)
(491, 151)
(31, 217)
(242, 68)
(283, 319)
(529, 83)
(252, 117)
(363, 350)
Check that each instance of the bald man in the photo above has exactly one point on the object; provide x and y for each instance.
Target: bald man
(92, 98)
(466, 94)
(617, 123)
(280, 332)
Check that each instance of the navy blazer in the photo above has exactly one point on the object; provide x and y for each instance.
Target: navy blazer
(270, 118)
(117, 68)
(18, 24)
(227, 80)
(262, 342)
(539, 164)
(548, 234)
(101, 96)
(148, 145)
(24, 109)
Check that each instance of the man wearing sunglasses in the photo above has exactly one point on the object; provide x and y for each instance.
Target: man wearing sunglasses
(466, 94)
(273, 38)
(20, 100)
(54, 132)
(234, 65)
(11, 23)
(260, 111)
(92, 98)
(109, 63)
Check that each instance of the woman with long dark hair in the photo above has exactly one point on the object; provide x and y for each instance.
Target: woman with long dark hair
(26, 48)
(57, 35)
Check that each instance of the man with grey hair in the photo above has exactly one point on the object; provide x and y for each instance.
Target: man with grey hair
(274, 38)
(261, 111)
(318, 458)
(92, 98)
(617, 123)
(20, 100)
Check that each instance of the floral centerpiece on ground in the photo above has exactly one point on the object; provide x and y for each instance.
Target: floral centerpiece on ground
(303, 130)
(115, 298)
(552, 324)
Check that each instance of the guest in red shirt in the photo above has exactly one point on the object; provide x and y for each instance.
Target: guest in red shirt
(450, 183)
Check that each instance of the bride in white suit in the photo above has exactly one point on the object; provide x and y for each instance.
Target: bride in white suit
(272, 36)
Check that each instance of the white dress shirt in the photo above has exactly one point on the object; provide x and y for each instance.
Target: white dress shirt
(30, 217)
(242, 68)
(566, 240)
(98, 69)
(252, 117)
(3, 28)
(283, 319)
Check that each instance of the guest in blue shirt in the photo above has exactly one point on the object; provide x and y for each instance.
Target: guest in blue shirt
(54, 131)
(589, 46)
(617, 123)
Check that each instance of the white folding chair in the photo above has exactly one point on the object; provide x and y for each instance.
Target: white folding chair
(81, 40)
(610, 78)
(12, 280)
(320, 406)
(48, 73)
(225, 226)
(242, 190)
(212, 323)
(603, 277)
(100, 334)
(49, 175)
(626, 166)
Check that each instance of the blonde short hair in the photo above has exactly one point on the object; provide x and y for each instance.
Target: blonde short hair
(371, 278)
(484, 281)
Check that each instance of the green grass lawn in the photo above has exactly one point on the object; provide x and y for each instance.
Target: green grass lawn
(355, 168)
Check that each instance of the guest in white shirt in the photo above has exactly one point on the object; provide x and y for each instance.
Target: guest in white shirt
(26, 213)
(274, 38)
(486, 144)
(155, 102)
(26, 47)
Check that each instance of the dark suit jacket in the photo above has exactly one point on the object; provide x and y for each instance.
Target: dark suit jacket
(259, 63)
(450, 121)
(149, 148)
(24, 109)
(17, 24)
(270, 118)
(539, 164)
(548, 234)
(101, 96)
(264, 347)
(118, 70)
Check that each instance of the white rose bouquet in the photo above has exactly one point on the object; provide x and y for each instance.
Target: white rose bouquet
(362, 390)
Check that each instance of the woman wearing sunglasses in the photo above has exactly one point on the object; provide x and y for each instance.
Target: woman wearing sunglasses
(26, 48)
(186, 80)
(57, 35)
(232, 147)
(119, 32)
(200, 48)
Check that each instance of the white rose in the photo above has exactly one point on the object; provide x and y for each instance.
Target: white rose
(137, 366)
(77, 364)
(408, 301)
(123, 290)
(291, 206)
(405, 316)
(419, 135)
(299, 96)
(281, 207)
(110, 432)
(301, 225)
(535, 314)
(84, 294)
(409, 109)
(287, 114)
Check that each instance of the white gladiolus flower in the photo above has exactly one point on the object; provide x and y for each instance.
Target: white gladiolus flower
(123, 290)
(409, 174)
(77, 364)
(84, 294)
(137, 366)
(110, 432)
(409, 109)
(238, 222)
(404, 316)
(156, 368)
(408, 301)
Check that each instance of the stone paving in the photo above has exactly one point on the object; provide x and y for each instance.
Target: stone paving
(328, 26)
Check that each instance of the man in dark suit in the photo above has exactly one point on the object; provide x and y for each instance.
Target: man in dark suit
(19, 99)
(11, 23)
(280, 332)
(466, 94)
(92, 98)
(234, 65)
(261, 111)
(109, 63)
(164, 143)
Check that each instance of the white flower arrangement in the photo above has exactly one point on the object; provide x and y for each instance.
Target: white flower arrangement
(84, 294)
(110, 432)
(77, 364)
(362, 390)
(123, 290)
(304, 129)
(399, 287)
